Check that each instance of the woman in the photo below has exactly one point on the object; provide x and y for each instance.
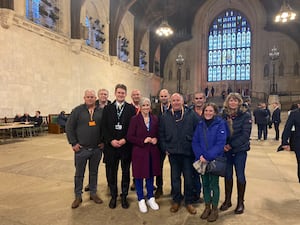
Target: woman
(208, 143)
(142, 133)
(238, 143)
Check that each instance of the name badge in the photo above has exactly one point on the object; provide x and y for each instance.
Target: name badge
(118, 126)
(92, 123)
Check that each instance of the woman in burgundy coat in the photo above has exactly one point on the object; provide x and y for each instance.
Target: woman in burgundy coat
(143, 133)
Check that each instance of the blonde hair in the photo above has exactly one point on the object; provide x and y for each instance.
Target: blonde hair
(235, 96)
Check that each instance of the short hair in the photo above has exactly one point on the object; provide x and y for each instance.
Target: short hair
(121, 86)
(144, 99)
(102, 89)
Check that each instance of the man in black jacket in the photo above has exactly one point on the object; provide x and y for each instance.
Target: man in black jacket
(116, 118)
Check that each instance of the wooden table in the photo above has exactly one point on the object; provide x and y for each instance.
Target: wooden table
(11, 126)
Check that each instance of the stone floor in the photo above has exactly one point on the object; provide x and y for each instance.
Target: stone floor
(36, 176)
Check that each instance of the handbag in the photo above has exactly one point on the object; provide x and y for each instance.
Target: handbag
(218, 166)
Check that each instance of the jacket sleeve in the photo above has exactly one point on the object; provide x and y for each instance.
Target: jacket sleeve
(286, 134)
(244, 136)
(132, 134)
(196, 142)
(71, 128)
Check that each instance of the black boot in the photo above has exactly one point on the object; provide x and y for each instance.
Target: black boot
(124, 202)
(228, 191)
(240, 203)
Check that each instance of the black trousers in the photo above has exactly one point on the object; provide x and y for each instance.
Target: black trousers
(115, 157)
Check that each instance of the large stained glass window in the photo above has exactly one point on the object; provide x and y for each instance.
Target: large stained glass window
(229, 47)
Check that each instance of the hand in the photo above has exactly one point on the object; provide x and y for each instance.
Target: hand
(122, 141)
(227, 148)
(101, 145)
(76, 147)
(115, 143)
(286, 147)
(154, 141)
(202, 159)
(147, 140)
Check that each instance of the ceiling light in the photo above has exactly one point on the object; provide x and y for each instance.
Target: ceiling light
(164, 29)
(285, 14)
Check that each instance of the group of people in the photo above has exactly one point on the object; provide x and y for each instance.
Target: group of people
(143, 135)
(37, 120)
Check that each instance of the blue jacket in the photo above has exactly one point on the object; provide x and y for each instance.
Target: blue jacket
(209, 141)
(176, 137)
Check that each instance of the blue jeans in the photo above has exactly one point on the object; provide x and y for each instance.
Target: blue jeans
(93, 155)
(182, 165)
(139, 187)
(238, 160)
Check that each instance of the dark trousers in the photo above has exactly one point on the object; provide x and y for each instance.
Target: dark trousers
(93, 156)
(238, 160)
(182, 165)
(297, 152)
(159, 179)
(113, 164)
(262, 130)
(276, 127)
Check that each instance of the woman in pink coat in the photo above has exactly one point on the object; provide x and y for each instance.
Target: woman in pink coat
(143, 133)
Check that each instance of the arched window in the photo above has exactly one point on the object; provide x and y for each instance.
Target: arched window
(43, 12)
(229, 47)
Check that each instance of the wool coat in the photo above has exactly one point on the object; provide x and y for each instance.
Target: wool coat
(144, 154)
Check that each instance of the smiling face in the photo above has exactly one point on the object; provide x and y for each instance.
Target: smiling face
(145, 106)
(177, 102)
(209, 112)
(233, 103)
(120, 94)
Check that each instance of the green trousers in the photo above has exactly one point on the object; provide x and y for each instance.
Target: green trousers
(211, 189)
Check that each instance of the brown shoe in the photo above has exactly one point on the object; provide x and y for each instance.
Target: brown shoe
(96, 199)
(191, 209)
(174, 208)
(76, 203)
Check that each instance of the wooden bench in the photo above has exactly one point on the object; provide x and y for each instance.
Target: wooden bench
(53, 126)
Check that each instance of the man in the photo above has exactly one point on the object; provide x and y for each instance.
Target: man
(116, 118)
(198, 104)
(163, 106)
(101, 102)
(261, 119)
(293, 120)
(176, 132)
(136, 97)
(276, 120)
(84, 134)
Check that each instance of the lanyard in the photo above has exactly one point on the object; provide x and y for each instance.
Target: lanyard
(91, 111)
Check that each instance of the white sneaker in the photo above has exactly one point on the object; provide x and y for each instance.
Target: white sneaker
(142, 206)
(153, 205)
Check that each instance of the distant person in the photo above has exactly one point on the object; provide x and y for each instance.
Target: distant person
(212, 91)
(206, 91)
(26, 118)
(37, 119)
(18, 118)
(276, 119)
(62, 120)
(83, 129)
(261, 119)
